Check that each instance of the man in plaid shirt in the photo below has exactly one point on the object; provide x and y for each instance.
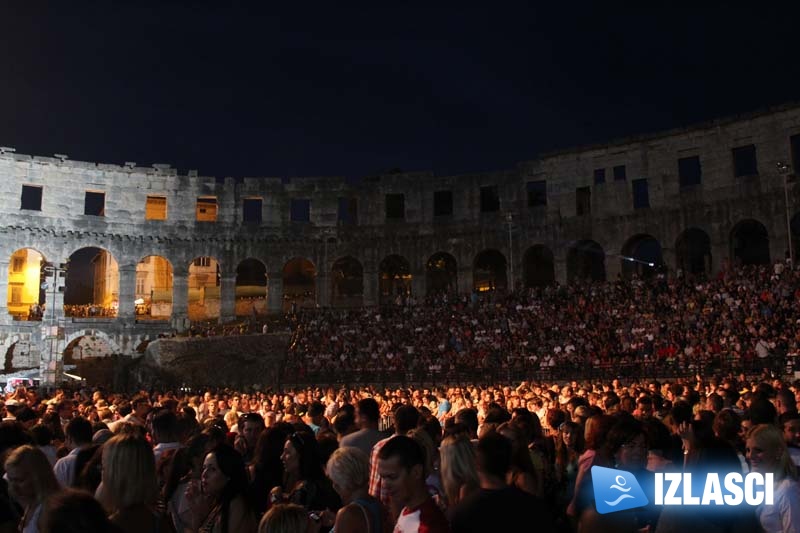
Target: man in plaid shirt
(406, 418)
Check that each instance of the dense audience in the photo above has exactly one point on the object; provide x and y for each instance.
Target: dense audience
(515, 455)
(474, 458)
(739, 319)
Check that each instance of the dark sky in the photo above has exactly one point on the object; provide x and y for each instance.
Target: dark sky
(266, 91)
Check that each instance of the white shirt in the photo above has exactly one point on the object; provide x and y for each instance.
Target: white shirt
(160, 448)
(64, 469)
(784, 515)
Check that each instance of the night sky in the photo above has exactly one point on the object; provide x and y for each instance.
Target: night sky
(340, 91)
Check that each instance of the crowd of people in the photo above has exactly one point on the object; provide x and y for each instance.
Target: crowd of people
(744, 318)
(514, 457)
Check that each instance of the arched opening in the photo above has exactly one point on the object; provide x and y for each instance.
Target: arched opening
(489, 271)
(299, 284)
(750, 243)
(92, 284)
(347, 283)
(693, 252)
(586, 261)
(88, 346)
(395, 279)
(537, 266)
(441, 273)
(251, 288)
(153, 288)
(641, 256)
(27, 289)
(204, 279)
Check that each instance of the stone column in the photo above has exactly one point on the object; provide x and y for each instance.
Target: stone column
(227, 296)
(323, 289)
(613, 268)
(127, 293)
(465, 280)
(180, 299)
(560, 269)
(5, 318)
(370, 278)
(275, 293)
(418, 285)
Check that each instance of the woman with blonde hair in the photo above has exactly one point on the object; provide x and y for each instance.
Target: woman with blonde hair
(458, 468)
(285, 518)
(767, 453)
(348, 470)
(129, 490)
(30, 482)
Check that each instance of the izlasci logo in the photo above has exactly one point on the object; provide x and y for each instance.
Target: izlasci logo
(616, 490)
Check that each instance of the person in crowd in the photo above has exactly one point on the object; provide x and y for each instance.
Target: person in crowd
(767, 453)
(266, 470)
(164, 431)
(304, 481)
(367, 418)
(219, 504)
(30, 482)
(251, 426)
(789, 422)
(401, 466)
(348, 470)
(522, 473)
(287, 518)
(129, 490)
(497, 505)
(569, 447)
(406, 418)
(458, 468)
(74, 511)
(185, 466)
(78, 436)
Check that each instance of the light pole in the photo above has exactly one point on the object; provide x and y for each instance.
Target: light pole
(52, 333)
(785, 169)
(509, 220)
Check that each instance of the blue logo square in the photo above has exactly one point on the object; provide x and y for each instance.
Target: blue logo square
(616, 490)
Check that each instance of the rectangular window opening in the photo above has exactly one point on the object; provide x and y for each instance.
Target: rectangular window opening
(348, 211)
(537, 193)
(155, 208)
(251, 210)
(619, 173)
(207, 209)
(31, 198)
(689, 171)
(599, 176)
(395, 206)
(490, 199)
(641, 194)
(442, 203)
(95, 204)
(744, 161)
(583, 201)
(300, 210)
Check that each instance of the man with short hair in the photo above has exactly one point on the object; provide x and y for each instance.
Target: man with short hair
(251, 426)
(405, 419)
(367, 417)
(401, 464)
(164, 426)
(498, 506)
(78, 436)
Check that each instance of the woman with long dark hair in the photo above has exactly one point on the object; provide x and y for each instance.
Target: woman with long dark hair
(266, 470)
(304, 481)
(221, 505)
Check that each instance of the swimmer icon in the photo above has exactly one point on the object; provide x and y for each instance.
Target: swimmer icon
(616, 490)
